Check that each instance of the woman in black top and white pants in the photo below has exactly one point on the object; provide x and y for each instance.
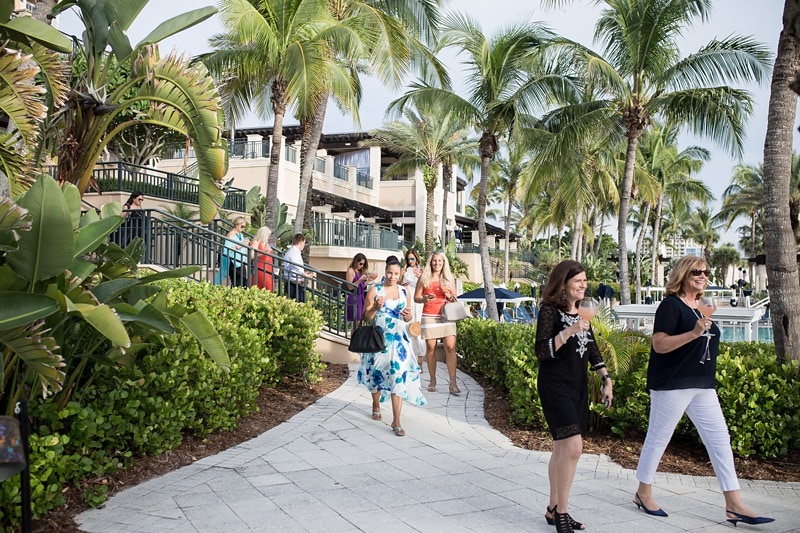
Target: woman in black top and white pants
(680, 378)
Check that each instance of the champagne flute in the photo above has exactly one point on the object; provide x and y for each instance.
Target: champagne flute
(587, 308)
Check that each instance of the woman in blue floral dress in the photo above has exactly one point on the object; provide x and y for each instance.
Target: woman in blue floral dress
(394, 372)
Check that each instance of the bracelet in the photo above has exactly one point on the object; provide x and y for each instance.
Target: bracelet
(561, 336)
(605, 377)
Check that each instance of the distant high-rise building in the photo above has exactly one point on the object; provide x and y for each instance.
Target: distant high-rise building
(38, 9)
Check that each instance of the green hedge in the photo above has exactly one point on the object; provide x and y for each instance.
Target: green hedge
(169, 391)
(760, 397)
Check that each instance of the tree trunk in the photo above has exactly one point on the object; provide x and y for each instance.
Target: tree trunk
(577, 234)
(430, 174)
(487, 146)
(622, 222)
(639, 250)
(279, 109)
(507, 234)
(781, 248)
(308, 155)
(447, 178)
(656, 237)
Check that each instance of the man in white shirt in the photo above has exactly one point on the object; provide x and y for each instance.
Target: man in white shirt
(294, 273)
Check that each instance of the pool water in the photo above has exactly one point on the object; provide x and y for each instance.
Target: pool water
(737, 333)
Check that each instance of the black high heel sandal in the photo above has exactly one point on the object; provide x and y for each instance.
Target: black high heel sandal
(576, 526)
(752, 520)
(564, 522)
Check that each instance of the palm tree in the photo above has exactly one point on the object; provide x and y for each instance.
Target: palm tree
(427, 137)
(272, 53)
(386, 39)
(671, 170)
(744, 197)
(644, 76)
(723, 258)
(505, 181)
(506, 84)
(703, 229)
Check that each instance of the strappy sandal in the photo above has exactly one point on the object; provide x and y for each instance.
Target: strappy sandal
(576, 526)
(432, 386)
(400, 432)
(376, 415)
(454, 390)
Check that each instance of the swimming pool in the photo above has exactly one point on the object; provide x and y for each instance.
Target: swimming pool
(737, 333)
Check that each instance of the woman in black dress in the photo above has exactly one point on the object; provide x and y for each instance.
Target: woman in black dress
(565, 345)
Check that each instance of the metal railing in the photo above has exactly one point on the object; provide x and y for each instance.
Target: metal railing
(127, 177)
(354, 234)
(171, 242)
(364, 179)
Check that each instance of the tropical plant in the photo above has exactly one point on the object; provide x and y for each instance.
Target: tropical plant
(722, 259)
(177, 95)
(644, 76)
(31, 75)
(703, 229)
(506, 84)
(270, 54)
(425, 139)
(71, 298)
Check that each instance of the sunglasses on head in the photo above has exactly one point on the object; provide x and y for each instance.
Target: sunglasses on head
(697, 272)
(411, 258)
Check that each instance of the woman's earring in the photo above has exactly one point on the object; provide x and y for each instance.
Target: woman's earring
(563, 295)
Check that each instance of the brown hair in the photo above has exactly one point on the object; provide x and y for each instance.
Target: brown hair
(356, 260)
(553, 292)
(415, 253)
(298, 238)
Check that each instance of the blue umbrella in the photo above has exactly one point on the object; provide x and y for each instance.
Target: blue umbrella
(501, 294)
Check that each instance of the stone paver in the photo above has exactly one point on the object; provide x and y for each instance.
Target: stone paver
(331, 468)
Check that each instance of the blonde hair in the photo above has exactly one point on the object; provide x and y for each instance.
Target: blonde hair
(263, 234)
(239, 219)
(680, 271)
(444, 275)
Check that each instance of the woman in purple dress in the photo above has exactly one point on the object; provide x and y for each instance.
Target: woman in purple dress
(358, 276)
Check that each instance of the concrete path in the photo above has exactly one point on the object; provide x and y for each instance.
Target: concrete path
(333, 469)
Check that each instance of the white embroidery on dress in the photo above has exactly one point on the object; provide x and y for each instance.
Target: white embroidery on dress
(583, 337)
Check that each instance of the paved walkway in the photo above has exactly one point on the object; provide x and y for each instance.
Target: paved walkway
(333, 469)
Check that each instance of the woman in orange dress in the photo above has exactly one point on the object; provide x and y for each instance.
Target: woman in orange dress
(261, 247)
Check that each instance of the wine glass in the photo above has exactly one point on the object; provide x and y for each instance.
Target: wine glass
(587, 309)
(707, 305)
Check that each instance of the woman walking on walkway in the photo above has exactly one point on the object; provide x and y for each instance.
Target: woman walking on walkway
(392, 373)
(565, 345)
(680, 378)
(411, 274)
(435, 288)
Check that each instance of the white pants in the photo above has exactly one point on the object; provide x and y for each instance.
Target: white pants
(702, 407)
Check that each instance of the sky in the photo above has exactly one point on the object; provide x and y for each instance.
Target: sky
(760, 19)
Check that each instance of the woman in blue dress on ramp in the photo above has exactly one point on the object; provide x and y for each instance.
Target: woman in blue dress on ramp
(394, 372)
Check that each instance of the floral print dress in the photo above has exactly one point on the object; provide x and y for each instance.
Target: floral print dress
(395, 369)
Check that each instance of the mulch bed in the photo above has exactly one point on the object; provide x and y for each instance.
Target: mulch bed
(278, 404)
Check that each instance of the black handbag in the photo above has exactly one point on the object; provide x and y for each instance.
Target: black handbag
(367, 339)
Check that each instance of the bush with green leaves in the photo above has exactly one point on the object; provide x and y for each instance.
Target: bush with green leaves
(760, 397)
(167, 391)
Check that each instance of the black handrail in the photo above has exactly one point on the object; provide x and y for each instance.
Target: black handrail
(127, 177)
(171, 242)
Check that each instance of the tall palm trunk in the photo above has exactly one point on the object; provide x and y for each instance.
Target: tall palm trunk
(278, 100)
(577, 234)
(622, 222)
(656, 236)
(507, 233)
(639, 250)
(308, 155)
(781, 248)
(488, 146)
(429, 175)
(447, 181)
